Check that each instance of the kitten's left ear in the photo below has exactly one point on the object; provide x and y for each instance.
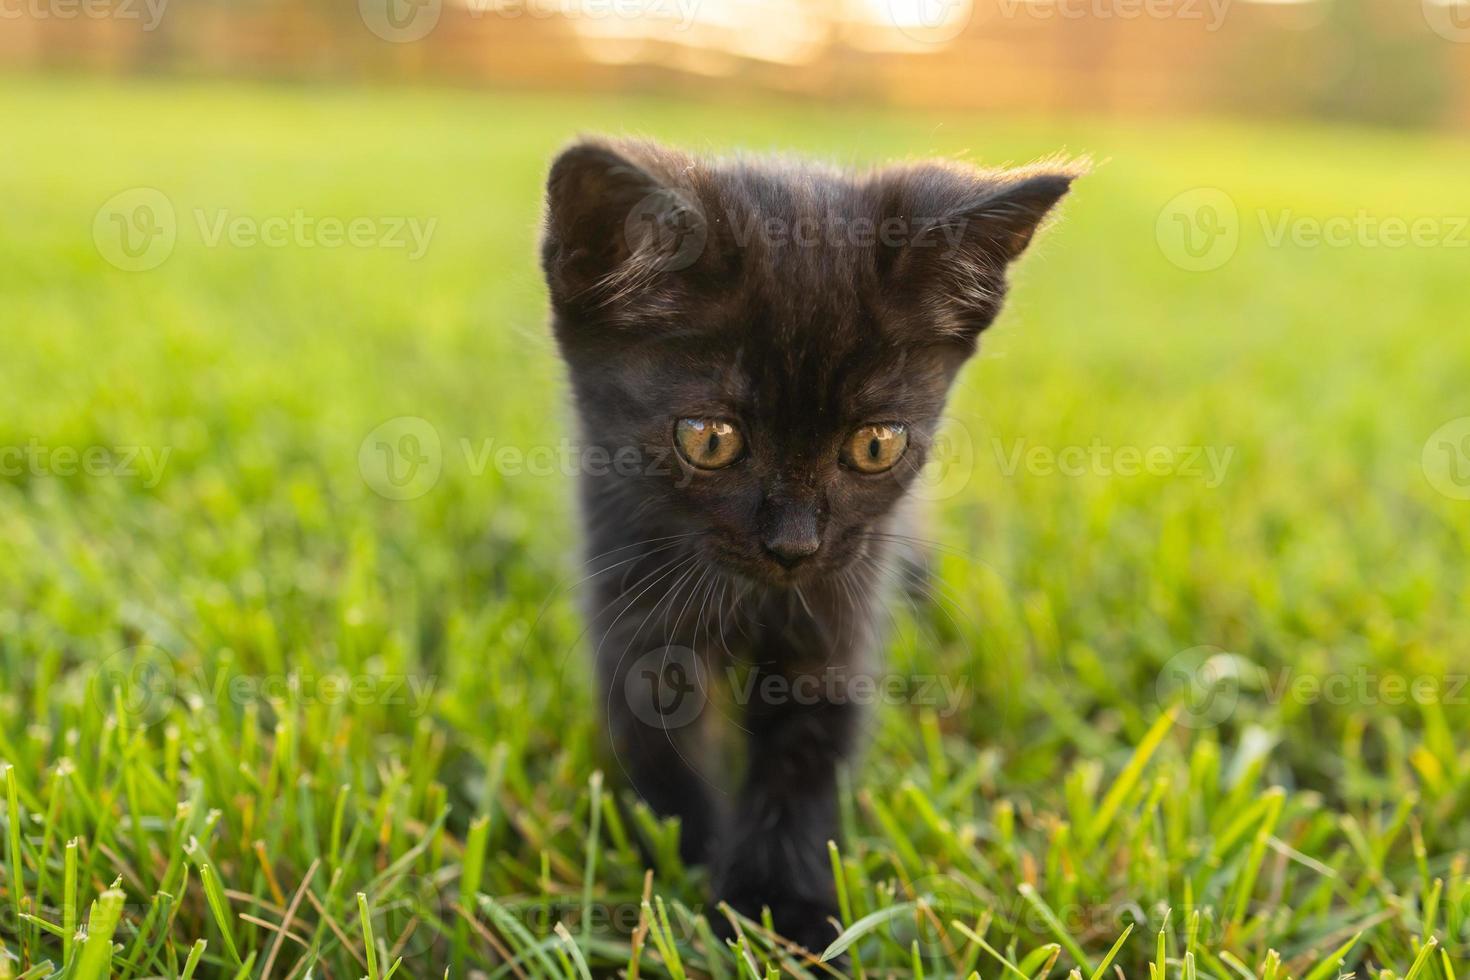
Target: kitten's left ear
(969, 227)
(617, 219)
(1005, 221)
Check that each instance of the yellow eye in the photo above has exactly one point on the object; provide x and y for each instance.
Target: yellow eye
(708, 444)
(875, 448)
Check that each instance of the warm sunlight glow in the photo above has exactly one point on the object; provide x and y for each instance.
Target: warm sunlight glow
(704, 35)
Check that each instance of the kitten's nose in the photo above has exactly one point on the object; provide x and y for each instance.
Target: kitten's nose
(792, 551)
(790, 530)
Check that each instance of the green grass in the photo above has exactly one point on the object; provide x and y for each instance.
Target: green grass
(188, 793)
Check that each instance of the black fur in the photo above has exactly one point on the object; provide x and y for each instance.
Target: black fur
(800, 302)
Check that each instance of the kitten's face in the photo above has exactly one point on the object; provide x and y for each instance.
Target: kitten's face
(783, 439)
(774, 345)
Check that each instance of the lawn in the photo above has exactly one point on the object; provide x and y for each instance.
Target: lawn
(1194, 663)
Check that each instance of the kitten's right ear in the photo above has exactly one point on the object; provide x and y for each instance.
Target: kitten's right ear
(969, 226)
(613, 226)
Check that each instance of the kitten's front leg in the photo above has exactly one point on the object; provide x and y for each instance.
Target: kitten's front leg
(654, 694)
(801, 728)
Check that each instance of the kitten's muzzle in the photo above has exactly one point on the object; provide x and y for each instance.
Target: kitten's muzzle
(790, 529)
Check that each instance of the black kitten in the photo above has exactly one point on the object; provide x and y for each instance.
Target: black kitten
(760, 353)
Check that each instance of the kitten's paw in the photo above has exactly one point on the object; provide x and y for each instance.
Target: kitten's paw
(807, 922)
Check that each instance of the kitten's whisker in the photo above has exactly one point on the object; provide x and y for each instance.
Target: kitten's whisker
(671, 540)
(591, 619)
(716, 581)
(658, 574)
(612, 689)
(746, 589)
(858, 587)
(641, 543)
(624, 561)
(624, 585)
(847, 579)
(693, 589)
(805, 605)
(909, 539)
(624, 588)
(702, 616)
(720, 612)
(673, 592)
(935, 589)
(670, 596)
(911, 580)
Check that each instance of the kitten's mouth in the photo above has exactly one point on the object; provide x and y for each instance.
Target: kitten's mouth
(840, 554)
(792, 575)
(771, 572)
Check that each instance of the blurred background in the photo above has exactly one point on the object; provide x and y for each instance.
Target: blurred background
(270, 312)
(1396, 62)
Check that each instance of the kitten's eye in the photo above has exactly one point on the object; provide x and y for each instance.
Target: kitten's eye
(708, 444)
(875, 448)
